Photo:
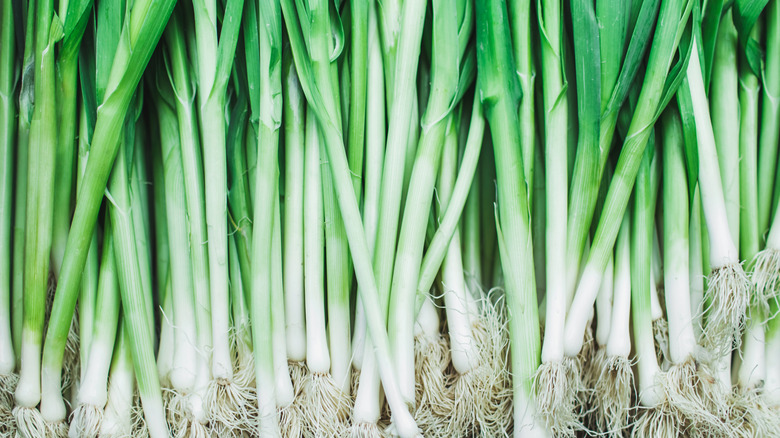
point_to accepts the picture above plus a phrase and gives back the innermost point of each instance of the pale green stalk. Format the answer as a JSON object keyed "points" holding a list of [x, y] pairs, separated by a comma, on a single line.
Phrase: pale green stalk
{"points": [[7, 143], [74, 15], [140, 33], [725, 113], [26, 97], [40, 203], [673, 16], [769, 134], [267, 177], [435, 124], [215, 56], [499, 91]]}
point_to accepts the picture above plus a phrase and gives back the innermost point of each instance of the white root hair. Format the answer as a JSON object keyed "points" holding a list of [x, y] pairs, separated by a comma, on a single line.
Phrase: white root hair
{"points": [[694, 394], [57, 429], [325, 407], [557, 396], [766, 277], [433, 393], [85, 421], [29, 423], [661, 337], [365, 430], [728, 295], [752, 416], [227, 403], [660, 421], [612, 396], [7, 387], [291, 418]]}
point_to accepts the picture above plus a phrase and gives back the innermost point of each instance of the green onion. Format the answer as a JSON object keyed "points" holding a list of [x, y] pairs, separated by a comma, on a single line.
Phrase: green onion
{"points": [[672, 19], [40, 199], [7, 146], [724, 109], [499, 91], [727, 292]]}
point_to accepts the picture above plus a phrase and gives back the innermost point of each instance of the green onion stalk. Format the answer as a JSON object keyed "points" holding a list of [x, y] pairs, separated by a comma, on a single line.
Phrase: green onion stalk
{"points": [[556, 383], [178, 130], [766, 266], [451, 22], [241, 229], [673, 17], [434, 400], [87, 300], [609, 83], [614, 388], [162, 250], [294, 119], [728, 290], [772, 381], [374, 138], [118, 413], [401, 26], [26, 96], [368, 398], [191, 161], [294, 133], [725, 116], [135, 297], [166, 349], [751, 369], [326, 393], [269, 111], [520, 18], [499, 90], [592, 371], [461, 193], [74, 15], [93, 391], [688, 382], [40, 203], [8, 377], [289, 416], [478, 341], [142, 29], [403, 423], [319, 389], [656, 417], [214, 61]]}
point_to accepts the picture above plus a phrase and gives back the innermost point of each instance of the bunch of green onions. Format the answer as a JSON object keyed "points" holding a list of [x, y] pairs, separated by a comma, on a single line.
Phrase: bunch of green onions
{"points": [[444, 218]]}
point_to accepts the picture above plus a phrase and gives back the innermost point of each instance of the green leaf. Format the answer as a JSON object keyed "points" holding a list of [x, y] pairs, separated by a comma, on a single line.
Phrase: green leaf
{"points": [[746, 13], [640, 41], [709, 29]]}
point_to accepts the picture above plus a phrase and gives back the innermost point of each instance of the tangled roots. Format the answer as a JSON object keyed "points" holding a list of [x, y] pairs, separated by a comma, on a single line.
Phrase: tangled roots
{"points": [[58, 429], [752, 416], [434, 400], [7, 387], [612, 396], [661, 336], [228, 403], [694, 395], [657, 422], [365, 430], [728, 292], [766, 277], [29, 423], [558, 386], [85, 421], [325, 407]]}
